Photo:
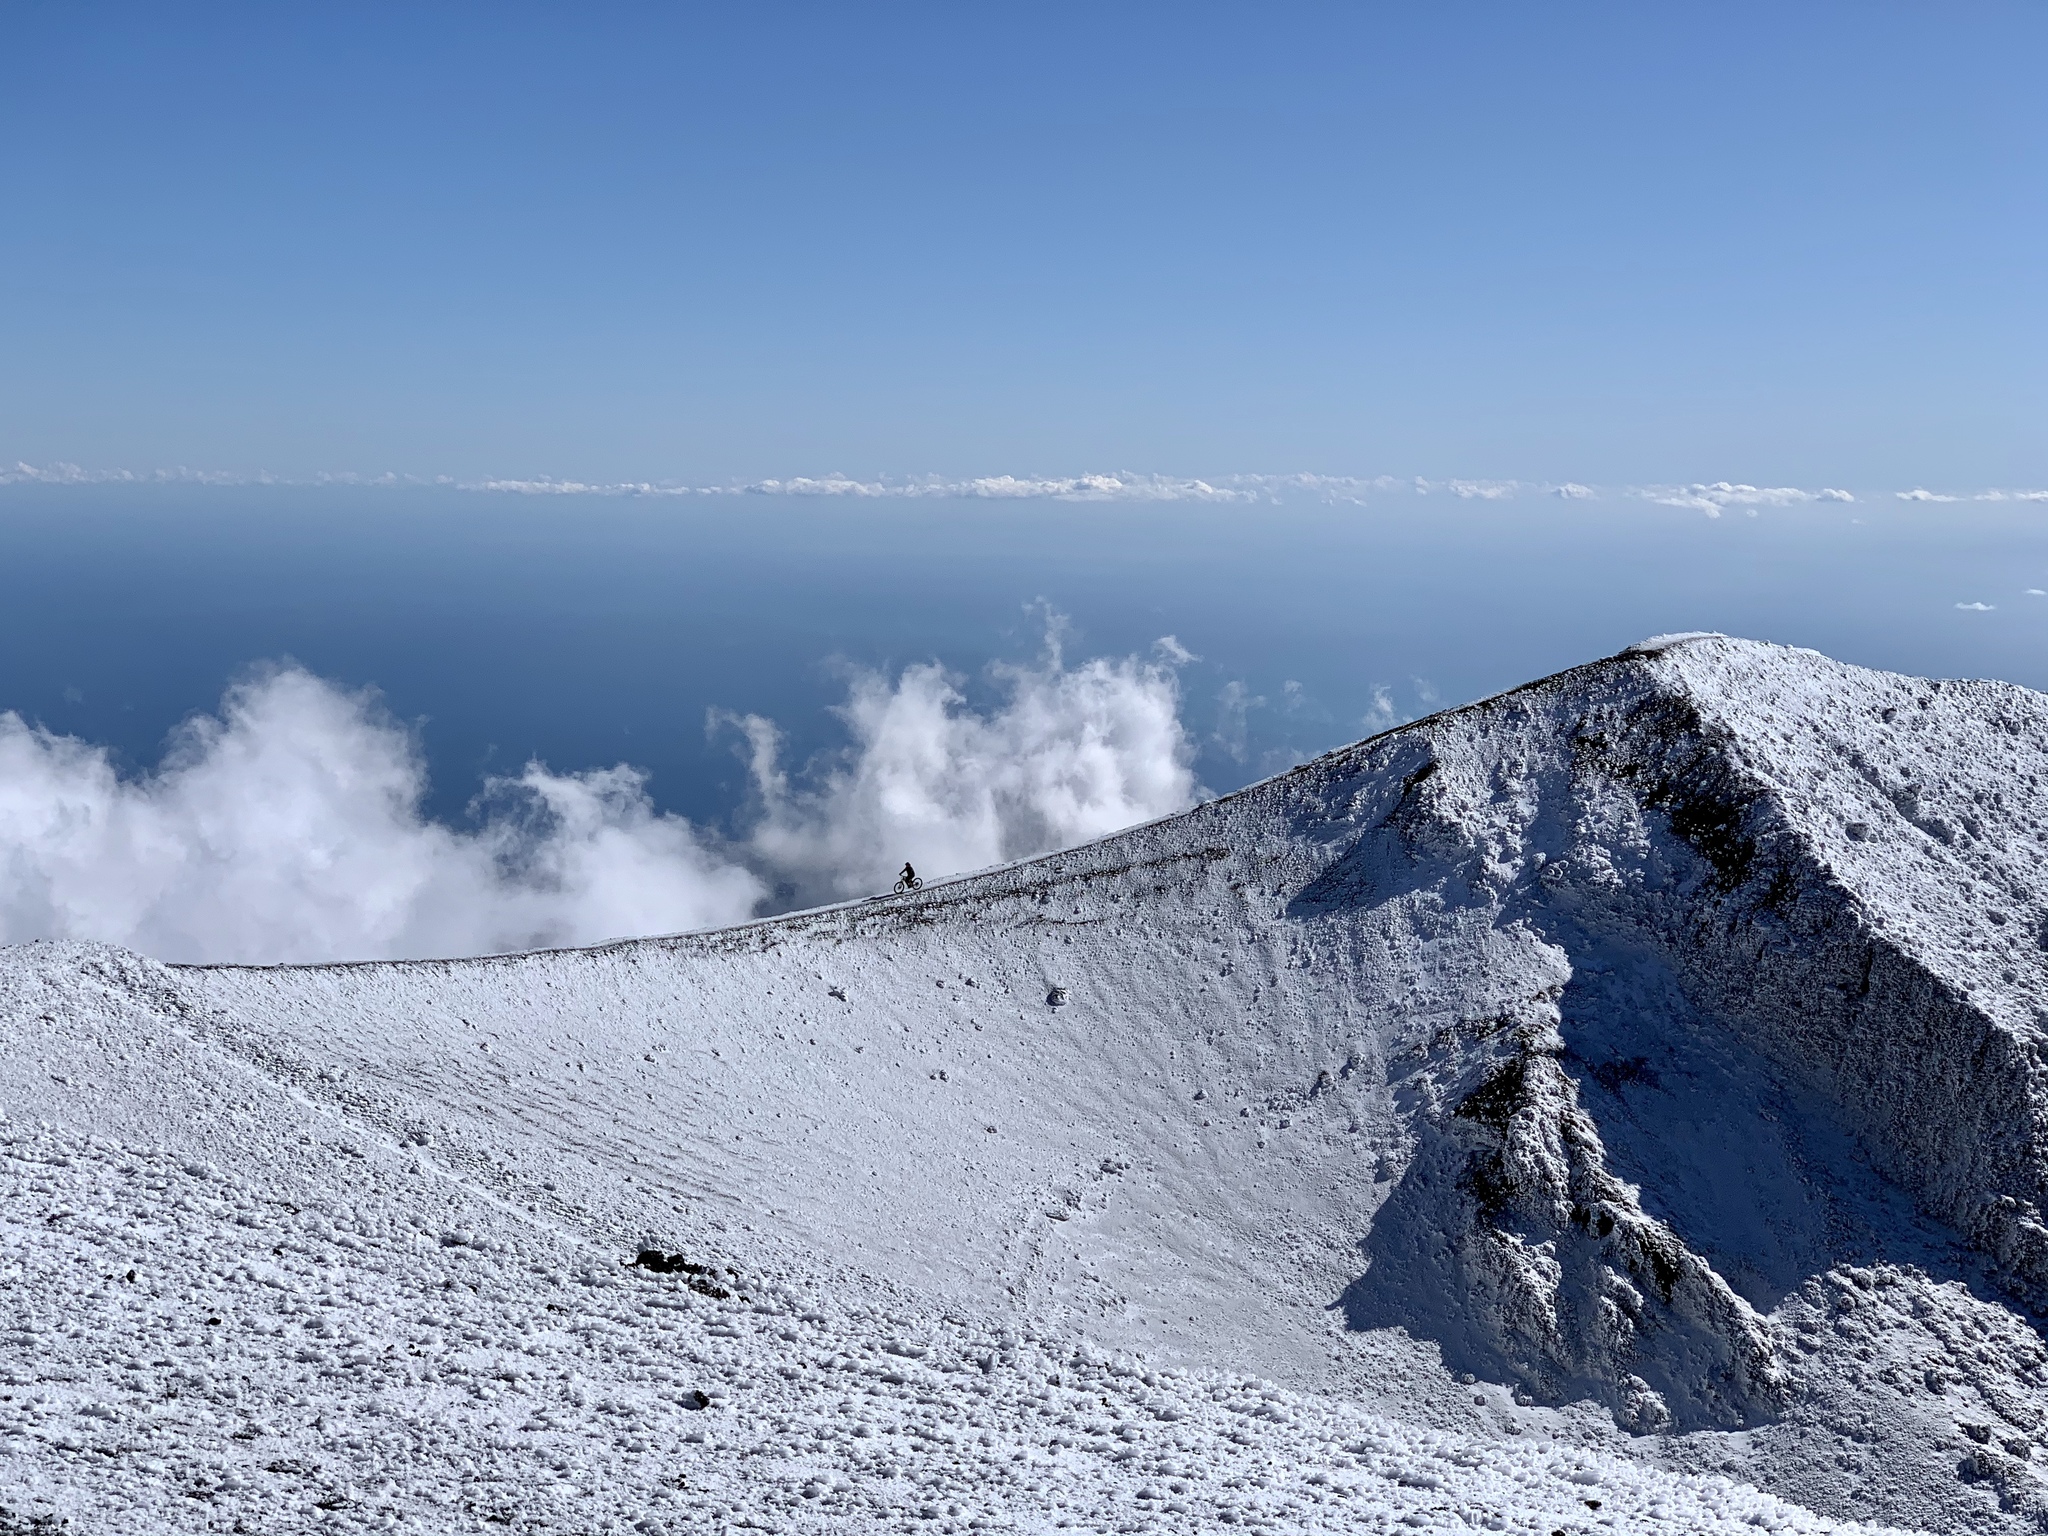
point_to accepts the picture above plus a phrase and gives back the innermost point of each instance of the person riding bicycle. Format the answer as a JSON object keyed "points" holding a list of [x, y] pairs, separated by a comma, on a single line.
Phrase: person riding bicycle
{"points": [[908, 879]]}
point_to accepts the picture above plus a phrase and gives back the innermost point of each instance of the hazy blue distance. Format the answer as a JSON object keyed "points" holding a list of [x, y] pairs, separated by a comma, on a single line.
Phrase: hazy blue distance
{"points": [[590, 631], [1613, 243]]}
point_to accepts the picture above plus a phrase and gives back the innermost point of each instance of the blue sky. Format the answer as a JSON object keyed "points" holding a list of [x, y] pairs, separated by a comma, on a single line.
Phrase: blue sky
{"points": [[1606, 243]]}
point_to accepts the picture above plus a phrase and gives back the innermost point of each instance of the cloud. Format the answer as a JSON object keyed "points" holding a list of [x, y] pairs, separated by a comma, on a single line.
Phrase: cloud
{"points": [[1124, 487], [387, 480], [2036, 592], [1331, 488], [1718, 497], [1470, 490], [58, 474], [1116, 487], [545, 486], [1379, 715], [289, 826], [1121, 486], [72, 474], [1070, 754], [1921, 494], [1233, 719], [2013, 496], [1976, 607], [61, 473]]}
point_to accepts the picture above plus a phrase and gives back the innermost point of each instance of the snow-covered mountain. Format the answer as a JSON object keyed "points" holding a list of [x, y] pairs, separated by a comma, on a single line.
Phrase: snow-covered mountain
{"points": [[1572, 1112]]}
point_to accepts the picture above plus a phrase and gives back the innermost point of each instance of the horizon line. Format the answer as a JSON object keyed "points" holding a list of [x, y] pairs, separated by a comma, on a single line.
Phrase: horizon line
{"points": [[1710, 498]]}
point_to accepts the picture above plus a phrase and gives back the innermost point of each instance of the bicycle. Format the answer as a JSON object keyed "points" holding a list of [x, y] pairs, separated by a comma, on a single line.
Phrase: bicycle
{"points": [[908, 881]]}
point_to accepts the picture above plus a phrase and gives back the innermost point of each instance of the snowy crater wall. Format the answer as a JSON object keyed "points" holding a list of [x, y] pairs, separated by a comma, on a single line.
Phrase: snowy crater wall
{"points": [[1835, 872], [1654, 1046]]}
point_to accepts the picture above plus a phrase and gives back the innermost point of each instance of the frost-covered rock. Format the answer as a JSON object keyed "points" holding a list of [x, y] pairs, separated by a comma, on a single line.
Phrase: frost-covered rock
{"points": [[1549, 1268]]}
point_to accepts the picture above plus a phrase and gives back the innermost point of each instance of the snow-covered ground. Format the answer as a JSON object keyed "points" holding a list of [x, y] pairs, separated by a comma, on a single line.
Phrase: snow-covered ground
{"points": [[1572, 1112]]}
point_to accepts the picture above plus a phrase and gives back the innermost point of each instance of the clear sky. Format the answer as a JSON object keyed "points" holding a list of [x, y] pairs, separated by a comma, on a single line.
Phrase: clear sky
{"points": [[1800, 244]]}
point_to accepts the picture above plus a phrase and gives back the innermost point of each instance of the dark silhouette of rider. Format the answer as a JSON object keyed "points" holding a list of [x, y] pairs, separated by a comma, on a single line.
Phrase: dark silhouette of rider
{"points": [[909, 875]]}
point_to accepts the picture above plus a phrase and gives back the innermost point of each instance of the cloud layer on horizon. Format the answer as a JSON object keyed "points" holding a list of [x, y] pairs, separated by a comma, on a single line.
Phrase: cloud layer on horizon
{"points": [[1712, 498], [1718, 497]]}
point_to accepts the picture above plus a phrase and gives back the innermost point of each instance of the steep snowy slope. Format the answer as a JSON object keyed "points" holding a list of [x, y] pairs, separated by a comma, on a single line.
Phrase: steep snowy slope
{"points": [[1639, 1069]]}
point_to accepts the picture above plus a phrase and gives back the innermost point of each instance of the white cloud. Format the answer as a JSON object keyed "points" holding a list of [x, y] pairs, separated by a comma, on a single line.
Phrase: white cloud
{"points": [[1716, 498], [1117, 487], [385, 481], [1121, 486], [62, 473], [1976, 607], [1088, 487], [2013, 496], [290, 826], [1070, 754], [1233, 721], [57, 474], [1125, 487], [1470, 490], [1334, 488], [548, 487], [72, 474], [1922, 494], [1379, 715], [2036, 592], [804, 485]]}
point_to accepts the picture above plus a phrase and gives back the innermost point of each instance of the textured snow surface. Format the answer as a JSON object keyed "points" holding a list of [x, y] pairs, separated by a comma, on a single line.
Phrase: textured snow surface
{"points": [[1574, 1112]]}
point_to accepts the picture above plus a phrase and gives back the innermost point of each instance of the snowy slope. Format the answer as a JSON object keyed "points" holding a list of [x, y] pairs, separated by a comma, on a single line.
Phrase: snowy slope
{"points": [[1532, 1118]]}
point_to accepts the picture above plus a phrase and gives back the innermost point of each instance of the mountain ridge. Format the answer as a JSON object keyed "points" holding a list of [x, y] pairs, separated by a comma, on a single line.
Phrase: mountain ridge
{"points": [[1649, 1052]]}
